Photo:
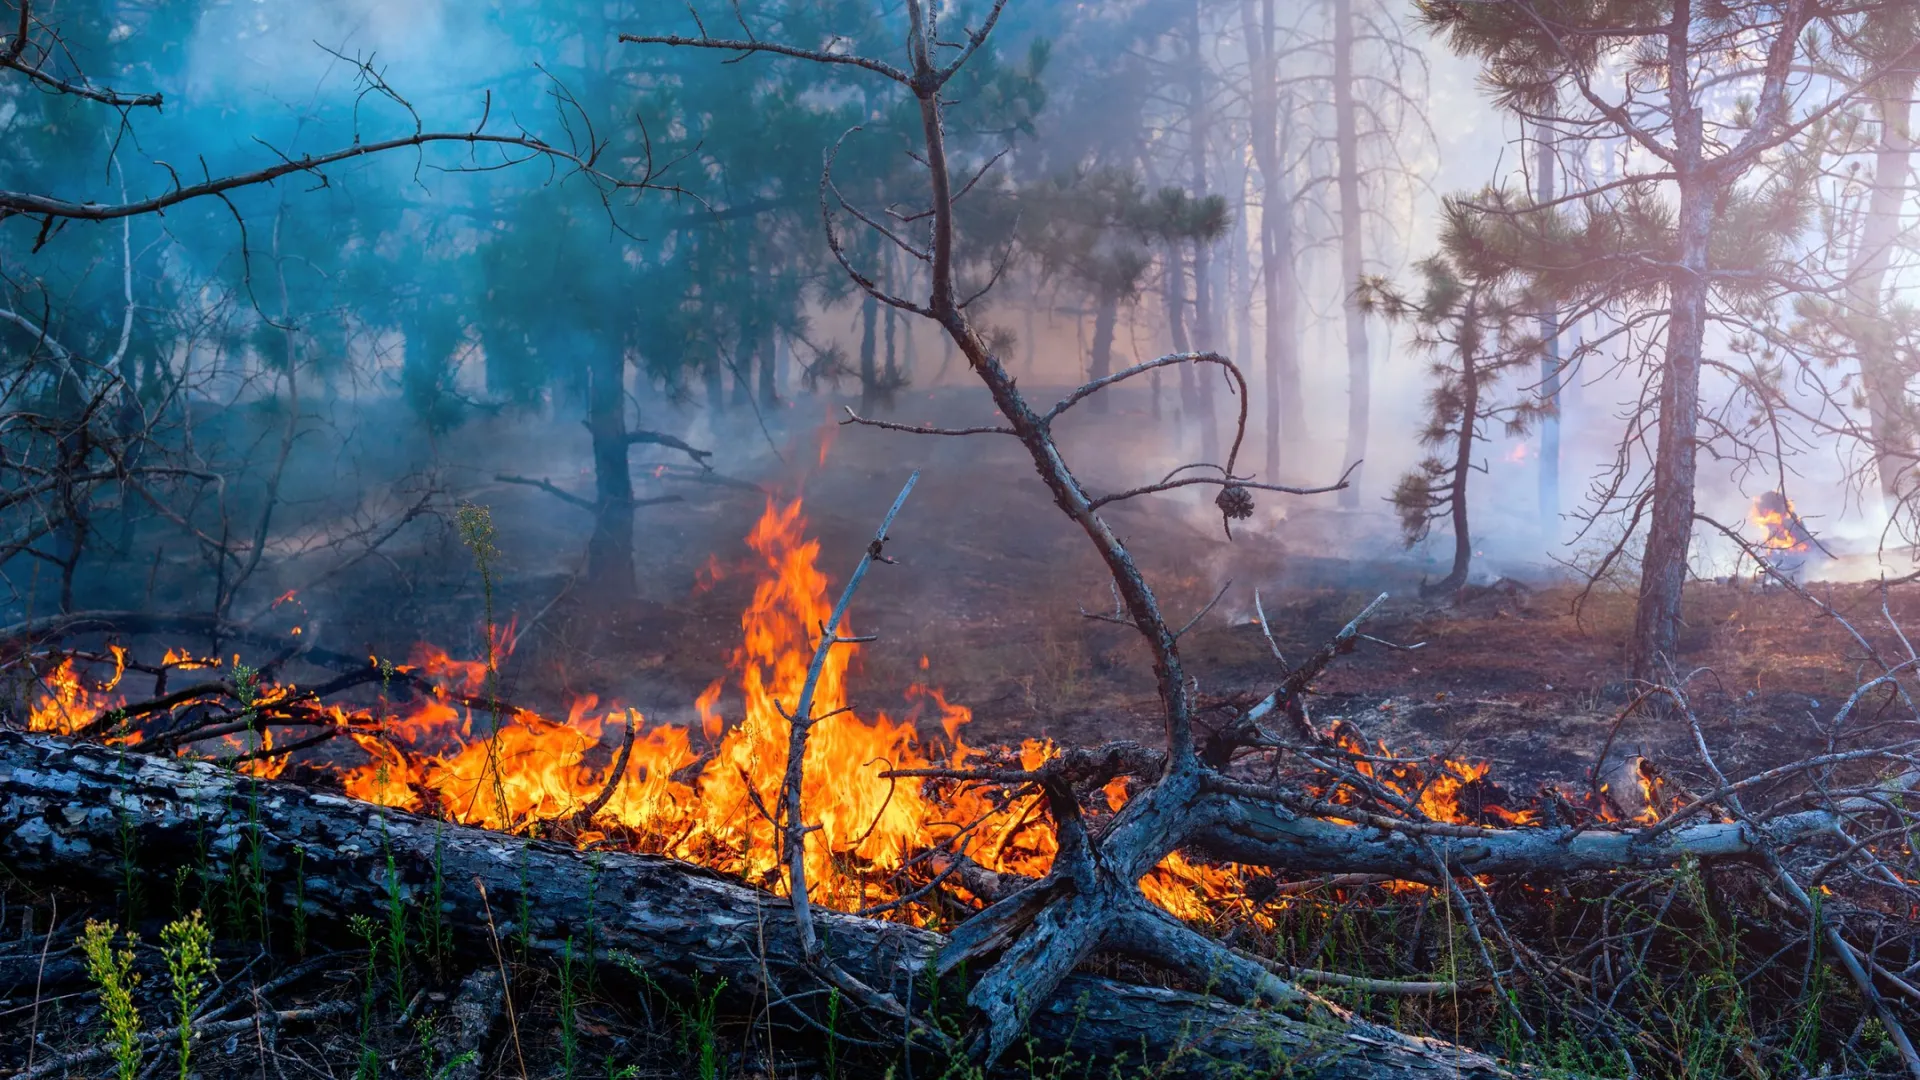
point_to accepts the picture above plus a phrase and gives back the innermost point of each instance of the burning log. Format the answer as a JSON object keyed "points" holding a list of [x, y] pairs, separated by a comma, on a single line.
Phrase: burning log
{"points": [[68, 805]]}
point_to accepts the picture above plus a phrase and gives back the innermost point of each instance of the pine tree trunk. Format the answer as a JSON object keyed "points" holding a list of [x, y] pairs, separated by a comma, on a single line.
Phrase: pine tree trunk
{"points": [[769, 348], [745, 359], [1463, 464], [610, 547], [1663, 571], [1882, 375], [1101, 364], [1031, 347], [1549, 364], [714, 375], [1205, 336], [1346, 142], [1286, 402], [1173, 284], [869, 372], [1239, 289]]}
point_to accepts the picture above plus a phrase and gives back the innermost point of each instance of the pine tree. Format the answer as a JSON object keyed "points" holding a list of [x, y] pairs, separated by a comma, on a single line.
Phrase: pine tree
{"points": [[1673, 231], [1471, 317]]}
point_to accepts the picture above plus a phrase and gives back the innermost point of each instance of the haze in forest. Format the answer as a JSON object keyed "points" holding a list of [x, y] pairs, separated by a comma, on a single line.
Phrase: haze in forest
{"points": [[642, 267]]}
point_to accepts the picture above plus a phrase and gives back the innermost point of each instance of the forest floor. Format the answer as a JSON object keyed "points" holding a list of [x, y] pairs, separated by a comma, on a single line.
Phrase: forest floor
{"points": [[986, 601]]}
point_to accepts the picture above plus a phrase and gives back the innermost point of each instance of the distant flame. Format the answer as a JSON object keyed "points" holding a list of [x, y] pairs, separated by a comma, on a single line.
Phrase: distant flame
{"points": [[1781, 528]]}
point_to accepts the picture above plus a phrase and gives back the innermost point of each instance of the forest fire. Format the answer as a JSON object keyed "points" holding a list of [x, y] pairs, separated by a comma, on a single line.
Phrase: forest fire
{"points": [[707, 796], [1781, 528]]}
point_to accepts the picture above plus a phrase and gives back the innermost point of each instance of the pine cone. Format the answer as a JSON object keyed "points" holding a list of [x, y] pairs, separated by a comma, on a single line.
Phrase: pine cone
{"points": [[1235, 502]]}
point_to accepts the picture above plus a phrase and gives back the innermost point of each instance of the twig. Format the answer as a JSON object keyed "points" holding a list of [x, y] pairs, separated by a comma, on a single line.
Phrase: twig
{"points": [[57, 1065], [585, 817], [40, 973], [506, 987], [800, 723]]}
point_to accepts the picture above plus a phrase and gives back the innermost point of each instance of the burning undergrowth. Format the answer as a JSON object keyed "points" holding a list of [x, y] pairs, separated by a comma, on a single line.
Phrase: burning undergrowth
{"points": [[431, 735], [917, 823]]}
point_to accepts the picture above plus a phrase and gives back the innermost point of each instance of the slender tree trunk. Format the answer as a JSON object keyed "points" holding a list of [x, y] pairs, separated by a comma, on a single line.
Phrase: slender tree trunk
{"points": [[1463, 462], [1347, 149], [1239, 290], [1286, 403], [766, 354], [610, 548], [1549, 363], [869, 371], [1663, 571], [909, 352], [1032, 346], [1883, 377], [1286, 398], [715, 376], [892, 368], [1102, 363], [1286, 408], [1205, 328], [1174, 296], [745, 358], [892, 316]]}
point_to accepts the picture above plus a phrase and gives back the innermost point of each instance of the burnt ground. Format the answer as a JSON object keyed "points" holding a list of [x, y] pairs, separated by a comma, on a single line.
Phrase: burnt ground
{"points": [[989, 588], [992, 580]]}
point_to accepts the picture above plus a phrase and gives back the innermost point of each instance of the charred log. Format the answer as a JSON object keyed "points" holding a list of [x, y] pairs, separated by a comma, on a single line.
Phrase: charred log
{"points": [[74, 812]]}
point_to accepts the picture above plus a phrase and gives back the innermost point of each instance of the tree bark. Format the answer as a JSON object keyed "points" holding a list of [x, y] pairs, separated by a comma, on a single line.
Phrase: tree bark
{"points": [[610, 547], [1549, 360], [1286, 404], [768, 348], [1204, 330], [1881, 374], [746, 358], [1663, 571], [1239, 287], [869, 373], [71, 814], [1173, 284], [1101, 364], [714, 375], [1346, 141], [1463, 460]]}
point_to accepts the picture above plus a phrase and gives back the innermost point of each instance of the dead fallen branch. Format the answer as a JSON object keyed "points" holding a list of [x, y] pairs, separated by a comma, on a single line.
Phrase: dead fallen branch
{"points": [[65, 1063]]}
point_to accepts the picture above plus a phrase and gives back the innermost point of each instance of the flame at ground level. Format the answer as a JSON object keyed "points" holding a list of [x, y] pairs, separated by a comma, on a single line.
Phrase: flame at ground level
{"points": [[717, 807], [713, 802]]}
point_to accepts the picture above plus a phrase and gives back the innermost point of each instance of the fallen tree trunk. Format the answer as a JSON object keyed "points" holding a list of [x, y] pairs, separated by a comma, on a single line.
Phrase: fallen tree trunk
{"points": [[83, 816]]}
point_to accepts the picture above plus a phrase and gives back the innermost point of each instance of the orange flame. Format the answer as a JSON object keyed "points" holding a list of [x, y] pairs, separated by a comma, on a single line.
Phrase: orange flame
{"points": [[516, 770], [1780, 526], [865, 825], [66, 705]]}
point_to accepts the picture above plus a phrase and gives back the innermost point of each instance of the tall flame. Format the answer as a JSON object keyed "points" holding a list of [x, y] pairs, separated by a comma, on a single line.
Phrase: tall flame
{"points": [[865, 825], [511, 769]]}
